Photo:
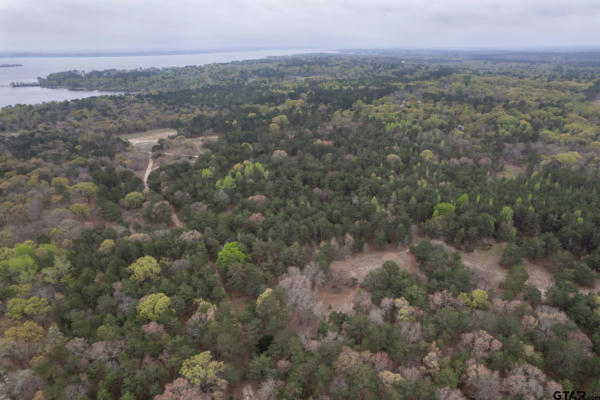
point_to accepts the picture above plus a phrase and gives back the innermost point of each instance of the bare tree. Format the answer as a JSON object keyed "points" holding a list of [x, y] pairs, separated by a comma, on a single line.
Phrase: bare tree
{"points": [[301, 297], [480, 343], [482, 383], [527, 382]]}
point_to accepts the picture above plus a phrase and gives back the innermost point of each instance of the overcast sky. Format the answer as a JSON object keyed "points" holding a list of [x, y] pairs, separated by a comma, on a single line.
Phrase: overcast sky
{"points": [[33, 25]]}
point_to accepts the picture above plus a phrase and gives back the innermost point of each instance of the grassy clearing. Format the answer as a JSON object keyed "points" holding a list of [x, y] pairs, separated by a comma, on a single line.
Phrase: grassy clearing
{"points": [[485, 265], [148, 136], [511, 171], [354, 269]]}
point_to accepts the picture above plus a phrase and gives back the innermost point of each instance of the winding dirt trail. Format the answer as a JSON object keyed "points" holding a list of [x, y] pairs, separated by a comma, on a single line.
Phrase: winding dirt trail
{"points": [[148, 170], [174, 217]]}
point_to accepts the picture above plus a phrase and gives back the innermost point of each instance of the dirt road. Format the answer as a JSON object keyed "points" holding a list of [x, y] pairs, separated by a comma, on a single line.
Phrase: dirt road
{"points": [[148, 170]]}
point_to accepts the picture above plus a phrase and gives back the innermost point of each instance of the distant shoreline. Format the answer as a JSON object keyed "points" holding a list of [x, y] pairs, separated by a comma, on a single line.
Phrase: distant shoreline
{"points": [[24, 84], [10, 65], [140, 53]]}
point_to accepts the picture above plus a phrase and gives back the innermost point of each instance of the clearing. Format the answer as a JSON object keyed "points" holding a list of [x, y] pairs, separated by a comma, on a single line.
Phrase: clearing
{"points": [[347, 275], [489, 274], [511, 171], [143, 161], [148, 136]]}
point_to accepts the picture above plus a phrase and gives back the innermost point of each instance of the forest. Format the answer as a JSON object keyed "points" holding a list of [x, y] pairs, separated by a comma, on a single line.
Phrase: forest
{"points": [[362, 225]]}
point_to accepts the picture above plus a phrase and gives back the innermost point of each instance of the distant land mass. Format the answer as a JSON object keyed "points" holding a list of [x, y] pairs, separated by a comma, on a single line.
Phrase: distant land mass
{"points": [[120, 53], [10, 65]]}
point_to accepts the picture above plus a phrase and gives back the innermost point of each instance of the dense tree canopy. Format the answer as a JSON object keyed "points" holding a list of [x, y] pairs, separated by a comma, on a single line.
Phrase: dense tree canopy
{"points": [[235, 272]]}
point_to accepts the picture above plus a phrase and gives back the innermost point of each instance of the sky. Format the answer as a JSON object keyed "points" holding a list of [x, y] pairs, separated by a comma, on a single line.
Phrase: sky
{"points": [[101, 25]]}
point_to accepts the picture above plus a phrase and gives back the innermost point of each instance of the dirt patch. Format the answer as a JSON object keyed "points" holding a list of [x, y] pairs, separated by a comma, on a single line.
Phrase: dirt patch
{"points": [[176, 150], [511, 171], [200, 141], [162, 159], [148, 136], [489, 274], [181, 147], [357, 266], [348, 274], [345, 276], [539, 276], [485, 265], [175, 218]]}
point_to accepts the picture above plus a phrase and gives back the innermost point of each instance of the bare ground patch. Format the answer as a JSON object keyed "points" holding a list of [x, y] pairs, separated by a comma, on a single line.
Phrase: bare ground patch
{"points": [[489, 274], [539, 275], [359, 265], [346, 276], [511, 171], [186, 147], [343, 283], [148, 136]]}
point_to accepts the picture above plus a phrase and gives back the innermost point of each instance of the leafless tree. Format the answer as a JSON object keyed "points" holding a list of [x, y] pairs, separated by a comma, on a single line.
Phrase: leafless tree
{"points": [[301, 297], [480, 343]]}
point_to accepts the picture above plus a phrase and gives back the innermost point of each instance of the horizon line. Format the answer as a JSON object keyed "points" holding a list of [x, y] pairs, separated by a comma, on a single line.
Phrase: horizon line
{"points": [[163, 51]]}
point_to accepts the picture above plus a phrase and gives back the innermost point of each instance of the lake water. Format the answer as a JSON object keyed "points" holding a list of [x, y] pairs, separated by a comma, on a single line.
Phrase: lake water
{"points": [[34, 67]]}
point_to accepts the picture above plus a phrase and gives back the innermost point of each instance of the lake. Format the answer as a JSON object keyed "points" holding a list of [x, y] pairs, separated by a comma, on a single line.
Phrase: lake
{"points": [[34, 67]]}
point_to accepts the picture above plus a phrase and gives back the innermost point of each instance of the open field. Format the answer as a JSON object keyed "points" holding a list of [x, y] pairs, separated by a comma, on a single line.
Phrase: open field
{"points": [[485, 265], [148, 136], [353, 270], [489, 274], [359, 265]]}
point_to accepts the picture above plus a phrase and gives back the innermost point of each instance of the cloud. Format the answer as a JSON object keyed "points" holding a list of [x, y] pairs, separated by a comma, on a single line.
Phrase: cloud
{"points": [[204, 24]]}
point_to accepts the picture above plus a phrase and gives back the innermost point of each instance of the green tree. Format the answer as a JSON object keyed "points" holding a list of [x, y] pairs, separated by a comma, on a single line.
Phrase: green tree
{"points": [[134, 200], [463, 200], [226, 183], [511, 255], [154, 306], [514, 282], [144, 269], [106, 245], [18, 307], [81, 210], [426, 155], [202, 371], [443, 209], [231, 253], [24, 266], [506, 214]]}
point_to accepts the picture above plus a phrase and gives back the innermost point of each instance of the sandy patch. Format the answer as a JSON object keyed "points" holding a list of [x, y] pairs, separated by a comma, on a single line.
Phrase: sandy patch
{"points": [[148, 136]]}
